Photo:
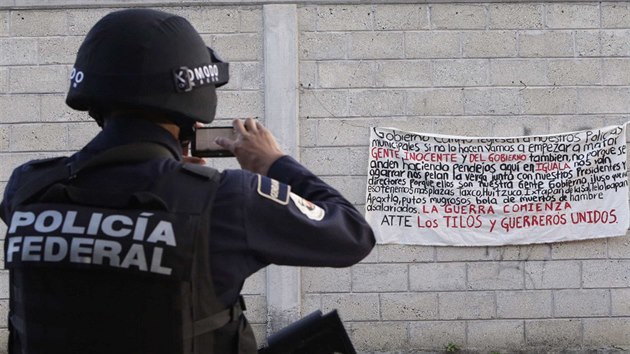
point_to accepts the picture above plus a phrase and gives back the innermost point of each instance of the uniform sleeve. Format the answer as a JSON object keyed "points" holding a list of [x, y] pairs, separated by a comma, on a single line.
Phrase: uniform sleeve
{"points": [[294, 218]]}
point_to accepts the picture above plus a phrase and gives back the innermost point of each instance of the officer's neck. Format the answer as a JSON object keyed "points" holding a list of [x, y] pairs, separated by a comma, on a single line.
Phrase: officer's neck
{"points": [[155, 118]]}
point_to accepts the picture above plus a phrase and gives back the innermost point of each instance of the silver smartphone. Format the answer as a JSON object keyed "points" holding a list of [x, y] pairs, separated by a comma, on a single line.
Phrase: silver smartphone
{"points": [[203, 144]]}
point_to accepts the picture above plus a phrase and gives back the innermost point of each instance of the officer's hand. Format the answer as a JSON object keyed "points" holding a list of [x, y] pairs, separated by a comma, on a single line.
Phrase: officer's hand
{"points": [[255, 147], [187, 158]]}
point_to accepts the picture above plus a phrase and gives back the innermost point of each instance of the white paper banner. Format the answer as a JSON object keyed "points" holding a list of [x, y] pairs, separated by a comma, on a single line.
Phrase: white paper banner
{"points": [[432, 189]]}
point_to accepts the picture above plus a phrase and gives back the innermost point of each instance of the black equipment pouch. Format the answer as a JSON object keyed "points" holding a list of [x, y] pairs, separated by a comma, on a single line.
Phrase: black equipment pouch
{"points": [[313, 334]]}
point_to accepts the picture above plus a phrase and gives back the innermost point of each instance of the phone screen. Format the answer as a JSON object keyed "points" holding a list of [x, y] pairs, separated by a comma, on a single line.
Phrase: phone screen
{"points": [[203, 144]]}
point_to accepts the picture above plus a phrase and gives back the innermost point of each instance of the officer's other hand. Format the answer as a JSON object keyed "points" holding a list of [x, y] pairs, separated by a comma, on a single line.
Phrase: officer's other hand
{"points": [[255, 147], [187, 158]]}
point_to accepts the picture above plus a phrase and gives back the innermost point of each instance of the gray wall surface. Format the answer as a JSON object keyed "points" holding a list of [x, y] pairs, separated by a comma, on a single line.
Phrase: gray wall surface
{"points": [[478, 69]]}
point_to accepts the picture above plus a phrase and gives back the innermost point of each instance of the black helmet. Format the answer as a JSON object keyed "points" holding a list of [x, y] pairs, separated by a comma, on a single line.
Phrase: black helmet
{"points": [[141, 58]]}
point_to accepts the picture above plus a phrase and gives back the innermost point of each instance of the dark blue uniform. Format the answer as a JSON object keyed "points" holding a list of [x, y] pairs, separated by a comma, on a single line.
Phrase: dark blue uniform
{"points": [[255, 220]]}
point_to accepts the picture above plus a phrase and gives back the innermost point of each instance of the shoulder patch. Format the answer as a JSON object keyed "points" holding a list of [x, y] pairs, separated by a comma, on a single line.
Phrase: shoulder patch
{"points": [[274, 190], [310, 209]]}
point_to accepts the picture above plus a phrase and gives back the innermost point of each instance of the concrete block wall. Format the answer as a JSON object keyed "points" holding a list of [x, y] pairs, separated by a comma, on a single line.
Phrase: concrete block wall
{"points": [[478, 69]]}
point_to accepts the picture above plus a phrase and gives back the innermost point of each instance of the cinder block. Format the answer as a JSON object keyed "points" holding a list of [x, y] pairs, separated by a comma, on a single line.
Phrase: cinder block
{"points": [[346, 74], [489, 44], [310, 303], [4, 284], [449, 254], [251, 19], [79, 134], [54, 109], [525, 252], [323, 103], [324, 45], [605, 274], [524, 304], [404, 73], [467, 305], [550, 333], [379, 336], [545, 44], [39, 23], [579, 249], [246, 76], [380, 277], [307, 75], [513, 16], [620, 299], [326, 280], [492, 101], [588, 43], [345, 18], [566, 15], [432, 44], [603, 100], [619, 247], [388, 17], [523, 125], [615, 15], [430, 102], [571, 72], [518, 72], [58, 50], [458, 16], [18, 51], [435, 335], [552, 275], [249, 46], [462, 72], [615, 43], [495, 275], [240, 104], [4, 310], [552, 100], [38, 79], [256, 308], [4, 80], [39, 137], [81, 20], [256, 284], [409, 306], [474, 126], [376, 45], [208, 19], [260, 333], [405, 254], [4, 137], [582, 303], [607, 332], [307, 17], [373, 256], [353, 307], [352, 188], [337, 132], [4, 23], [335, 161], [437, 276], [496, 335], [370, 103], [616, 71]]}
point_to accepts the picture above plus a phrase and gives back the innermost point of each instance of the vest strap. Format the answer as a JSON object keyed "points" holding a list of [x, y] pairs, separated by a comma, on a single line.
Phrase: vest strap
{"points": [[217, 320]]}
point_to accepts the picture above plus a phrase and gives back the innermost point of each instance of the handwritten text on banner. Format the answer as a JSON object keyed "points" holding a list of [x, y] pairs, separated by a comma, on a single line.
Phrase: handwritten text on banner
{"points": [[451, 190]]}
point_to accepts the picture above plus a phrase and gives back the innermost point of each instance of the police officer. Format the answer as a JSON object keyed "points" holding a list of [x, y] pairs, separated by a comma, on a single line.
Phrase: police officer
{"points": [[124, 247]]}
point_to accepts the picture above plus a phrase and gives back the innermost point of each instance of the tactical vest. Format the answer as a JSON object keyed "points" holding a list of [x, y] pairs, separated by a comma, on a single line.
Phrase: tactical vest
{"points": [[94, 272]]}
